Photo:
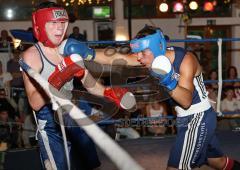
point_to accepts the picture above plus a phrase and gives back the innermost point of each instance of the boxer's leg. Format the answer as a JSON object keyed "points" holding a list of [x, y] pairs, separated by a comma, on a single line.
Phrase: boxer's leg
{"points": [[83, 151], [191, 144], [50, 140]]}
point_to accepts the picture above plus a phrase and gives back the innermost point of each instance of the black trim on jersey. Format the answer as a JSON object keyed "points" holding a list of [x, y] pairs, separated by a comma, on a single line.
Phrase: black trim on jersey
{"points": [[201, 85], [179, 55], [39, 51], [42, 55]]}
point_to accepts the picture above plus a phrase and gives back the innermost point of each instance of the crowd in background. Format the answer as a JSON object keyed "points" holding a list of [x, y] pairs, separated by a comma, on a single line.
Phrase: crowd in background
{"points": [[17, 122]]}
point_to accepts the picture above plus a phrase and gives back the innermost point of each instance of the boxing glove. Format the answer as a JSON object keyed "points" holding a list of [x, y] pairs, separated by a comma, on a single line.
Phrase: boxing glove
{"points": [[162, 69], [72, 46], [65, 71], [121, 97]]}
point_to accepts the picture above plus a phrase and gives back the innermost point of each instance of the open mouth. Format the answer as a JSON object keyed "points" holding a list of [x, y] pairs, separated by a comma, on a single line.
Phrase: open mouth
{"points": [[58, 36]]}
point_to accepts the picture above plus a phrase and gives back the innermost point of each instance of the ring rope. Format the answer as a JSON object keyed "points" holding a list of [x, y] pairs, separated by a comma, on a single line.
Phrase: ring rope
{"points": [[220, 82], [143, 120], [170, 41], [60, 116], [149, 84], [119, 156]]}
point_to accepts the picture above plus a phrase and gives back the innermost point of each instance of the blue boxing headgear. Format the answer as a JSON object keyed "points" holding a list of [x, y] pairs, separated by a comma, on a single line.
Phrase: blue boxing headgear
{"points": [[155, 42]]}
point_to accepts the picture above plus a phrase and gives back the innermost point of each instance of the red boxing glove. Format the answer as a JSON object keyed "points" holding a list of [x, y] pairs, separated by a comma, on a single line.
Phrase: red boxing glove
{"points": [[121, 96], [65, 71]]}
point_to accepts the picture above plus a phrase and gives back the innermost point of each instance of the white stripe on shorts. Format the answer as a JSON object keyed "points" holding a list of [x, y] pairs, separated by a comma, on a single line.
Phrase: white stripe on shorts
{"points": [[190, 141]]}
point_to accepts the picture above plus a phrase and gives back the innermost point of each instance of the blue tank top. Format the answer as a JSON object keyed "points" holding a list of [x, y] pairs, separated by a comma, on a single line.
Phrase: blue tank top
{"points": [[200, 92]]}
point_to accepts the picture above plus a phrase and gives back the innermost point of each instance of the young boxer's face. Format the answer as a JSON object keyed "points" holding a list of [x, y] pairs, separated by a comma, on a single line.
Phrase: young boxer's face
{"points": [[145, 57], [56, 31]]}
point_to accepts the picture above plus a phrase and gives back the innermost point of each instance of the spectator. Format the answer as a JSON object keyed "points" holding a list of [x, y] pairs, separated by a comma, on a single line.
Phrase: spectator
{"points": [[213, 75], [230, 104], [5, 39], [212, 88], [8, 130], [5, 105], [14, 69], [16, 84], [5, 78], [212, 95], [157, 110], [232, 74], [237, 90], [77, 35]]}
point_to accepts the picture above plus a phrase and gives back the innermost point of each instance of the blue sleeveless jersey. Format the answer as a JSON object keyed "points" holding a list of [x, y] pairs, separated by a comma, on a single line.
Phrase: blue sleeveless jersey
{"points": [[196, 139], [200, 95], [199, 92]]}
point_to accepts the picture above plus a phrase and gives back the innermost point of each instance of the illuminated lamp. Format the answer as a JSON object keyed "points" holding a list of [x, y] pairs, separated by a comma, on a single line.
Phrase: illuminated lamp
{"points": [[163, 7], [193, 5], [121, 37], [208, 6], [178, 7], [9, 13]]}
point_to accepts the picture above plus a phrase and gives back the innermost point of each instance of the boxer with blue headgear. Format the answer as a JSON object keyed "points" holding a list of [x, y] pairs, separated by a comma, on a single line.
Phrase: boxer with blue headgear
{"points": [[161, 67], [155, 42], [196, 119]]}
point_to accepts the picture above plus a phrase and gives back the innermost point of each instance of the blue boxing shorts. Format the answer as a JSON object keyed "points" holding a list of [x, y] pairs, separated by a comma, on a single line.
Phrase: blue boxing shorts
{"points": [[196, 141], [83, 154]]}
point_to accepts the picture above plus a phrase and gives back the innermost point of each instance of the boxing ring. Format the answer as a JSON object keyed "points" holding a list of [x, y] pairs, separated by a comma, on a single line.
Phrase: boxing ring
{"points": [[152, 152], [148, 153]]}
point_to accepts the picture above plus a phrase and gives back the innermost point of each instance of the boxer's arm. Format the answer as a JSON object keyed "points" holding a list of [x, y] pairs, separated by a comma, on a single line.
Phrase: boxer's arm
{"points": [[72, 46], [185, 85], [92, 85], [180, 87], [120, 96], [116, 59], [36, 96]]}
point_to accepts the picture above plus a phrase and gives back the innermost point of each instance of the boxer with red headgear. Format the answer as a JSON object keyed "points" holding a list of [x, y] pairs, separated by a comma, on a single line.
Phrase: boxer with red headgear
{"points": [[53, 14], [50, 23]]}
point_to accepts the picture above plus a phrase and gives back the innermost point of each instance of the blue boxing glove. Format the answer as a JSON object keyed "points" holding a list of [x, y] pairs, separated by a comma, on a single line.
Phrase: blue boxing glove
{"points": [[162, 69], [71, 46]]}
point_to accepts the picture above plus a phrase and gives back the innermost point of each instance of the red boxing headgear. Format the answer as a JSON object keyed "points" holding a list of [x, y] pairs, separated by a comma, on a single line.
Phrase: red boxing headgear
{"points": [[41, 17]]}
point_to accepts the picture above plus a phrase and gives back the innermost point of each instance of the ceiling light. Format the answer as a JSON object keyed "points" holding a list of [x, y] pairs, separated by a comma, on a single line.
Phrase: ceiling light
{"points": [[208, 6], [163, 7], [193, 5]]}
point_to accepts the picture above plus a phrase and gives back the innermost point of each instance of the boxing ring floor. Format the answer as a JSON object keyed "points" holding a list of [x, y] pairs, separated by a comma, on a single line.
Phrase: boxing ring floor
{"points": [[152, 152]]}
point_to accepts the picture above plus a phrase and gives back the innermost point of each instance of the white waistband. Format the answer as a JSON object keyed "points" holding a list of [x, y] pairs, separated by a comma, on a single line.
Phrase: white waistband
{"points": [[196, 108]]}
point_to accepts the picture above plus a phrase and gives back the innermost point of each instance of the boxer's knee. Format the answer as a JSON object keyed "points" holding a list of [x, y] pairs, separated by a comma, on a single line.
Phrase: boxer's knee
{"points": [[224, 163], [217, 163]]}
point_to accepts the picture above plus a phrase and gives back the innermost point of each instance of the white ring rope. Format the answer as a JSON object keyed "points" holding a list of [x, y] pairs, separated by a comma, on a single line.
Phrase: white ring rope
{"points": [[60, 117], [220, 81], [119, 156]]}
